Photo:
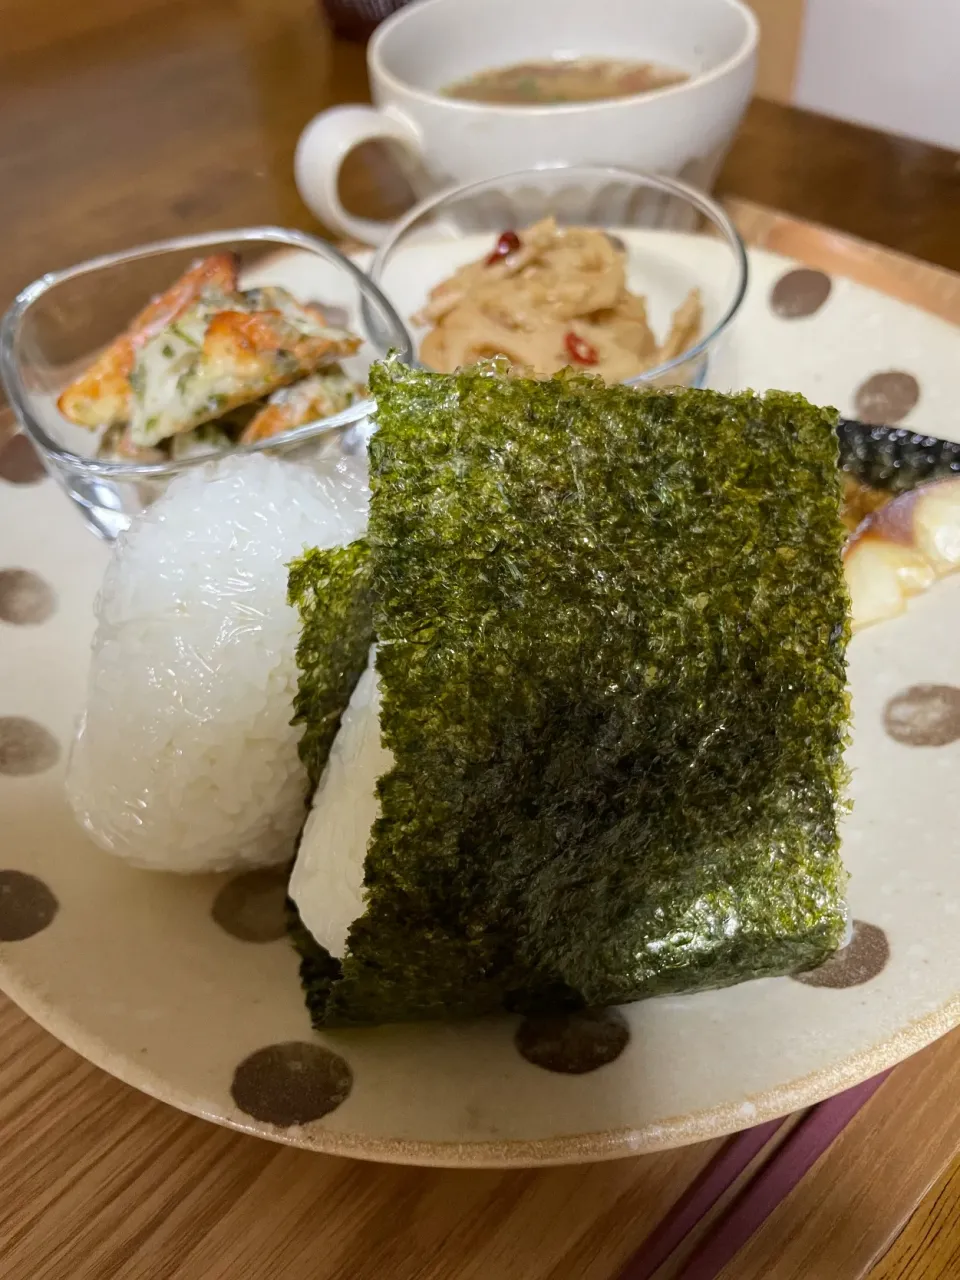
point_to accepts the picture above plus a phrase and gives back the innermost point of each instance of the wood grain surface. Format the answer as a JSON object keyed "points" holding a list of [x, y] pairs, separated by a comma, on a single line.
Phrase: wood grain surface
{"points": [[844, 1215], [125, 120], [97, 1181], [930, 1244]]}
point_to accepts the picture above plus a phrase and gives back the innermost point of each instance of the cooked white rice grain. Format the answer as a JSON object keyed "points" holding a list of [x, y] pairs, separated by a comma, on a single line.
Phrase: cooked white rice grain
{"points": [[327, 880], [185, 759]]}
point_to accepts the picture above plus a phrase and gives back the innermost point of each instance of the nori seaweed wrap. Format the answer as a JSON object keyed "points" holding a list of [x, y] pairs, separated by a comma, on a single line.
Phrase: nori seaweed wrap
{"points": [[611, 628]]}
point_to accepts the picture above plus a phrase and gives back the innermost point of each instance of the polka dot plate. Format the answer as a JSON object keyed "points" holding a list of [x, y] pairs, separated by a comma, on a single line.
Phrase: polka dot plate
{"points": [[187, 989]]}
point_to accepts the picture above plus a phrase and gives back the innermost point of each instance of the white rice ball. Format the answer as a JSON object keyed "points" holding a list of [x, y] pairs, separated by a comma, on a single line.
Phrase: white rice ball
{"points": [[185, 759]]}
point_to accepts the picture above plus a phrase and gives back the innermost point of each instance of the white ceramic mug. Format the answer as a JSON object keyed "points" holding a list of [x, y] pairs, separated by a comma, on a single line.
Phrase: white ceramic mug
{"points": [[682, 130]]}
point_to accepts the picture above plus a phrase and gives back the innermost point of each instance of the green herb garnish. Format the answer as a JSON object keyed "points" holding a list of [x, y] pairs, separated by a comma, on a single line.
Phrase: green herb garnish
{"points": [[180, 332], [138, 380]]}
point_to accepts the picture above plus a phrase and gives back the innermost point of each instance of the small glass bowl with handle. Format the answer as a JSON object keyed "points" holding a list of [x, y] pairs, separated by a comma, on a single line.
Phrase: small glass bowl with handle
{"points": [[58, 325], [676, 240]]}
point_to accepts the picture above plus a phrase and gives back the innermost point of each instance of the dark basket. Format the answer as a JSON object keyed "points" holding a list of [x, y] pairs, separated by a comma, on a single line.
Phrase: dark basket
{"points": [[357, 19]]}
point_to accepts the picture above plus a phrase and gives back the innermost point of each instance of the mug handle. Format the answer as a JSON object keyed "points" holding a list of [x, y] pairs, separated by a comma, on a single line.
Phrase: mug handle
{"points": [[321, 150]]}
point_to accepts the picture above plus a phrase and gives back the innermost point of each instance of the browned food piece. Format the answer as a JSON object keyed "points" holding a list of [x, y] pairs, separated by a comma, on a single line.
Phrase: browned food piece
{"points": [[101, 396], [628, 322], [213, 359], [271, 297], [684, 328], [901, 549], [860, 500], [555, 274], [311, 398], [469, 335], [620, 339]]}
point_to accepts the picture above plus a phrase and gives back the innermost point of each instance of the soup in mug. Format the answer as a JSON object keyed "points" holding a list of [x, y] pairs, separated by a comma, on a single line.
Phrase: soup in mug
{"points": [[558, 80]]}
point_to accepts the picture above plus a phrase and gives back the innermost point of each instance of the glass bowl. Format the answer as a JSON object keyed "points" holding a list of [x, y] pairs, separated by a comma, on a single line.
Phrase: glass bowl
{"points": [[677, 239], [57, 325]]}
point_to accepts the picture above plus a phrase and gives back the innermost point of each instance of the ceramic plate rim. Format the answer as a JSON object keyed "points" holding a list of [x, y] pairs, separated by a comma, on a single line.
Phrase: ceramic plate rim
{"points": [[673, 1132]]}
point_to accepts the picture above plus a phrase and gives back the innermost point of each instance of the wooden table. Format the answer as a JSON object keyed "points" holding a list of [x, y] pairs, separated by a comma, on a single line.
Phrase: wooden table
{"points": [[125, 120]]}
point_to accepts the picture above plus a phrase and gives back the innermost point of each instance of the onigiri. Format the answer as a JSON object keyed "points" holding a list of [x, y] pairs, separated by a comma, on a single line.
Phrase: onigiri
{"points": [[185, 758], [597, 754]]}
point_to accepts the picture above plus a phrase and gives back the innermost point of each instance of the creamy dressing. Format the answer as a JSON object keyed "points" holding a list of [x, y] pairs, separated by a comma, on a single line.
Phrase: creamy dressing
{"points": [[164, 366]]}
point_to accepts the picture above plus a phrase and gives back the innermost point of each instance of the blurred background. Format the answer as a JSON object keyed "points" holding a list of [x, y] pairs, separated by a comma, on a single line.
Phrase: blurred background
{"points": [[891, 64], [150, 116]]}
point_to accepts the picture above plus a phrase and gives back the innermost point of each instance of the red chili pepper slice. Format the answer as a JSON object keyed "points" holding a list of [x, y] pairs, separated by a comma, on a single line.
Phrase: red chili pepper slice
{"points": [[581, 350], [508, 243]]}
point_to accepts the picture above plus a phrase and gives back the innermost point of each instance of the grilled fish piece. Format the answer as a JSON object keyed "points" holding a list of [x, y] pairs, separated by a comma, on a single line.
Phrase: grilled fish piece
{"points": [[894, 459], [901, 549]]}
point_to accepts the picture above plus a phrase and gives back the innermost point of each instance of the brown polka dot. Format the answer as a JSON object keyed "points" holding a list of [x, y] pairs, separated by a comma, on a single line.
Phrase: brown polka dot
{"points": [[863, 958], [26, 906], [573, 1043], [925, 715], [26, 747], [291, 1083], [800, 293], [25, 599], [251, 907], [887, 397], [19, 461]]}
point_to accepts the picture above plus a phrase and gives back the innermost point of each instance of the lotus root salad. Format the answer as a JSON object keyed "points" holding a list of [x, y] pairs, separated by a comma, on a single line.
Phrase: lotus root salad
{"points": [[548, 297]]}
